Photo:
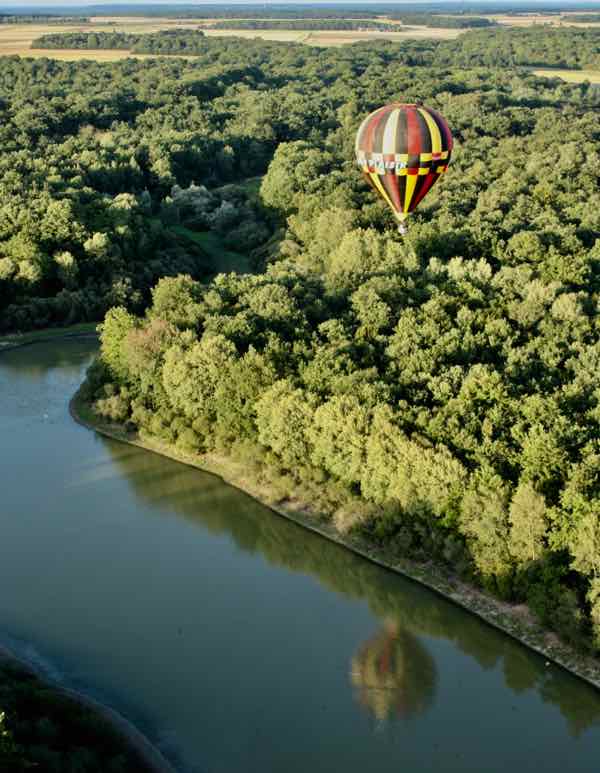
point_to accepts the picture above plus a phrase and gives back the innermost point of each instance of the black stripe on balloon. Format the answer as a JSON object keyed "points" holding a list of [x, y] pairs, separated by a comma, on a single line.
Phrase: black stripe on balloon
{"points": [[402, 187], [401, 133], [429, 181], [425, 134]]}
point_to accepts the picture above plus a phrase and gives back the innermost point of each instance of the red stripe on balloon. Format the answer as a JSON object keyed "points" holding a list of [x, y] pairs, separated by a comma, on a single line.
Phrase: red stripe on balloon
{"points": [[413, 126], [394, 190], [427, 183]]}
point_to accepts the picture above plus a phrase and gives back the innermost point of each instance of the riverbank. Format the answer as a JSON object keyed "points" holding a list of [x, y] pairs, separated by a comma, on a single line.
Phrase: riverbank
{"points": [[134, 743], [17, 340], [133, 739], [514, 620]]}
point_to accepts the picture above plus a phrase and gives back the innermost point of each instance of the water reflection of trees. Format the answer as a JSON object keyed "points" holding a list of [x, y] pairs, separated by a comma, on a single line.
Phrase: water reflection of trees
{"points": [[393, 674], [35, 361], [221, 509]]}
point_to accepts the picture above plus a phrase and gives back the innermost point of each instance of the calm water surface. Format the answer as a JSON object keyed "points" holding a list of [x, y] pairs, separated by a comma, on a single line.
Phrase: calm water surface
{"points": [[239, 642]]}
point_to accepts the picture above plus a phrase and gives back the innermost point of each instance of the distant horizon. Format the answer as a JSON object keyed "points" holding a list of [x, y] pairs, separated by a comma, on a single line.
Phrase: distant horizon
{"points": [[63, 4]]}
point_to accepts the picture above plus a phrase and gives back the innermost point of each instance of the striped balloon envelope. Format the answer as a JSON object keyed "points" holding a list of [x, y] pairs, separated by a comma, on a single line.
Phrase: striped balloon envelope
{"points": [[402, 150]]}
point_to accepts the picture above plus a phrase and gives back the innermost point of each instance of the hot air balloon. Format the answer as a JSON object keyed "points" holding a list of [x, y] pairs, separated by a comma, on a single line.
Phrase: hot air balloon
{"points": [[402, 150]]}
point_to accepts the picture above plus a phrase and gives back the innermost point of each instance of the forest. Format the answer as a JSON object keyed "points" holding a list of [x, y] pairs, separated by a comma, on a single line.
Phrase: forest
{"points": [[164, 42], [496, 47], [424, 19], [437, 20], [538, 46], [41, 18], [438, 394], [305, 24]]}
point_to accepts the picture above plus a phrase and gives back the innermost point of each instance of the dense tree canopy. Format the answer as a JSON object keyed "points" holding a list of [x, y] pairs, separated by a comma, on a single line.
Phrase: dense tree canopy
{"points": [[305, 24], [437, 20], [41, 18]]}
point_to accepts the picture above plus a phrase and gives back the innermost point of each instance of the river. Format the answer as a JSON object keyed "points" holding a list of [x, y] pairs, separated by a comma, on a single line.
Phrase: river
{"points": [[236, 640]]}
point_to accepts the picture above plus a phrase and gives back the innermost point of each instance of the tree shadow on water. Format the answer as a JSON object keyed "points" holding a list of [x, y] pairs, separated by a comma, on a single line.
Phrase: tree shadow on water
{"points": [[393, 673]]}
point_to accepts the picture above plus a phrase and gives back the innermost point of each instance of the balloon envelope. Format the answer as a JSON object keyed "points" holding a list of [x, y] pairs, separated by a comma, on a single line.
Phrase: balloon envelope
{"points": [[402, 150]]}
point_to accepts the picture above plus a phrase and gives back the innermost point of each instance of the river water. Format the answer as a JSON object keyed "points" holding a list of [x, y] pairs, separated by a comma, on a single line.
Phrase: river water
{"points": [[236, 640]]}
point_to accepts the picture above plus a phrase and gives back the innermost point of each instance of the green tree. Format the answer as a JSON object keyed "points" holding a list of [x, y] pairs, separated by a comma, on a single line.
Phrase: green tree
{"points": [[528, 524], [283, 416], [484, 521], [117, 324]]}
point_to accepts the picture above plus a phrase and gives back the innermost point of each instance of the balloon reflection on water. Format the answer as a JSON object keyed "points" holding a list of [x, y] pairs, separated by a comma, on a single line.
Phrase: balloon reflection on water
{"points": [[393, 674]]}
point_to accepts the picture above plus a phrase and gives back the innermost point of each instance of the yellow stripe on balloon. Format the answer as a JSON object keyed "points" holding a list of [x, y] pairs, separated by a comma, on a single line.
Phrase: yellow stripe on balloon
{"points": [[411, 181], [436, 137], [389, 135]]}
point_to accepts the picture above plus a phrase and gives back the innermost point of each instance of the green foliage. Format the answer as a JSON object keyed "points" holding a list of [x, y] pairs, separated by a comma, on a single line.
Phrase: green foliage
{"points": [[42, 729], [304, 24], [11, 757], [283, 417], [593, 598], [296, 167], [484, 522], [529, 46], [528, 524], [447, 22], [117, 324]]}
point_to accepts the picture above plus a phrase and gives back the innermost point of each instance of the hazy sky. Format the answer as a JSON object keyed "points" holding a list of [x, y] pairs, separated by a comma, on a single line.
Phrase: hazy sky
{"points": [[83, 3]]}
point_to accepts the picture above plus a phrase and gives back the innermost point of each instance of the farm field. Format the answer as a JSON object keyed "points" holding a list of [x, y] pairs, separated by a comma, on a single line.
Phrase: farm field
{"points": [[530, 19], [16, 39], [572, 76], [341, 37]]}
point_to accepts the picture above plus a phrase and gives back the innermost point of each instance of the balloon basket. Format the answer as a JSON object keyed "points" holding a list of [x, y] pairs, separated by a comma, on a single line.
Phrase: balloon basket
{"points": [[402, 229]]}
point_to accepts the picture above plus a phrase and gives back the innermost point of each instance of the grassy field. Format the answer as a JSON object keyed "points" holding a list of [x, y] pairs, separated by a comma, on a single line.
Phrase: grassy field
{"points": [[223, 261], [338, 38], [572, 76], [16, 39], [530, 19]]}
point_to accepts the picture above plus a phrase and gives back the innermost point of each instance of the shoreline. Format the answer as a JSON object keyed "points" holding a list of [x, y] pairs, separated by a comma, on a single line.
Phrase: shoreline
{"points": [[18, 340], [515, 620], [131, 737]]}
